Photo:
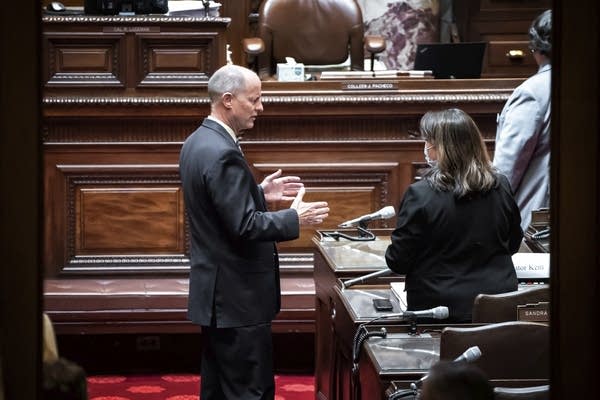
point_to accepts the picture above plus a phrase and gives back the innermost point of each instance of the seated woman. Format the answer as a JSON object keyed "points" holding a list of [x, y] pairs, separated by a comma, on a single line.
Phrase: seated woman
{"points": [[457, 227]]}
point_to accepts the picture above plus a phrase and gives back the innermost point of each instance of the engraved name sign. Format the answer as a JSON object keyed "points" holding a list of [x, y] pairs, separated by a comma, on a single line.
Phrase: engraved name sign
{"points": [[381, 85], [125, 29], [534, 312]]}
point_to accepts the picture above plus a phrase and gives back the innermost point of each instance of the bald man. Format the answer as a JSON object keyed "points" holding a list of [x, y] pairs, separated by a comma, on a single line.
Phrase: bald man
{"points": [[234, 291]]}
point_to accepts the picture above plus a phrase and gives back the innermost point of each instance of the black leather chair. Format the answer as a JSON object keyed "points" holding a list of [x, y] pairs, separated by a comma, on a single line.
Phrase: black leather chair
{"points": [[313, 32], [503, 307], [510, 351], [541, 392]]}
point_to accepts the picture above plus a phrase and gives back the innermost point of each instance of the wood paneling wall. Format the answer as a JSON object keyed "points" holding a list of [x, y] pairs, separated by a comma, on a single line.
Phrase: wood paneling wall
{"points": [[111, 188]]}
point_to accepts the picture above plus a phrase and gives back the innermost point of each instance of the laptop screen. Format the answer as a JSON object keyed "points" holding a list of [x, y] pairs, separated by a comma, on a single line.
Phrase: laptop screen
{"points": [[451, 60]]}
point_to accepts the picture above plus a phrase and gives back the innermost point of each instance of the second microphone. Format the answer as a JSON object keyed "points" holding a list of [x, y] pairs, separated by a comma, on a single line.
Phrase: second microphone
{"points": [[384, 213]]}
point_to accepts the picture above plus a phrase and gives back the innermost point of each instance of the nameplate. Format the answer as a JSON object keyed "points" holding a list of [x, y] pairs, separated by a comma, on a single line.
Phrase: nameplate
{"points": [[125, 29], [375, 85], [534, 312], [532, 266]]}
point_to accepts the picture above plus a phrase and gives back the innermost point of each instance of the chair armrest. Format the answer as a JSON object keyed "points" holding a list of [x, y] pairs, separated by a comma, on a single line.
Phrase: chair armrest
{"points": [[522, 393], [253, 46], [374, 43]]}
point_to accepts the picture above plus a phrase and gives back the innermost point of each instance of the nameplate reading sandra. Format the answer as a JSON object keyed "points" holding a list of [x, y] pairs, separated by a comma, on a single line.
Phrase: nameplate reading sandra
{"points": [[377, 85], [538, 312], [125, 29]]}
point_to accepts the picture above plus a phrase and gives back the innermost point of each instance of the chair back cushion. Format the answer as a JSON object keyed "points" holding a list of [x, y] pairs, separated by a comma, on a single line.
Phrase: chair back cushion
{"points": [[509, 350], [312, 32], [503, 307]]}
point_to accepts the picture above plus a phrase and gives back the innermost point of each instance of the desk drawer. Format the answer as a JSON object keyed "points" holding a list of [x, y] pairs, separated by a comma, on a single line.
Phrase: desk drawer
{"points": [[511, 57]]}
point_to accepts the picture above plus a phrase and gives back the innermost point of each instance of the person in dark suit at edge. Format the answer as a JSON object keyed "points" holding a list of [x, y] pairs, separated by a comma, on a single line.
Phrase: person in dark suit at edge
{"points": [[458, 227], [523, 133], [234, 291]]}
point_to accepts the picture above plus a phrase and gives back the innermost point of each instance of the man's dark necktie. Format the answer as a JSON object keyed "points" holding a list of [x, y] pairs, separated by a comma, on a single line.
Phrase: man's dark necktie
{"points": [[237, 143]]}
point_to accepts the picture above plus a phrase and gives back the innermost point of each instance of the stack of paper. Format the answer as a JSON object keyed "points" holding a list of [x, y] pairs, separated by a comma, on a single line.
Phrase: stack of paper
{"points": [[397, 289]]}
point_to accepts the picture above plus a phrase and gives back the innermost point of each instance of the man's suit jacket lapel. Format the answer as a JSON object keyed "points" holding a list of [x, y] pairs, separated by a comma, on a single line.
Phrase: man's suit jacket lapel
{"points": [[216, 127]]}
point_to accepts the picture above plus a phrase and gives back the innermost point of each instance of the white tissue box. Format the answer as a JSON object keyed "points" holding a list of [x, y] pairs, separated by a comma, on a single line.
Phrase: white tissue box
{"points": [[290, 72]]}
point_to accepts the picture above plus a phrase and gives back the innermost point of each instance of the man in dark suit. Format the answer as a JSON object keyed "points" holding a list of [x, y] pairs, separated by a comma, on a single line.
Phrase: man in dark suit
{"points": [[234, 277]]}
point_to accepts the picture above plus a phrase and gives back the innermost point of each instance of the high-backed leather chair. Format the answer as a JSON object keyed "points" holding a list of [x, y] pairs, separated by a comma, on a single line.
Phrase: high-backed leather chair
{"points": [[313, 32], [541, 392], [514, 350], [503, 307]]}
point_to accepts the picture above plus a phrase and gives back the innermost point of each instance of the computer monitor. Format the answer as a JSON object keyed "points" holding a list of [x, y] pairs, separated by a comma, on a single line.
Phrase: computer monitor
{"points": [[451, 60]]}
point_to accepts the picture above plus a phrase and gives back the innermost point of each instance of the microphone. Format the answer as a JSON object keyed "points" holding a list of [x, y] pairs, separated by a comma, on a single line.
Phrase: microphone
{"points": [[470, 355], [384, 213], [439, 312], [362, 279]]}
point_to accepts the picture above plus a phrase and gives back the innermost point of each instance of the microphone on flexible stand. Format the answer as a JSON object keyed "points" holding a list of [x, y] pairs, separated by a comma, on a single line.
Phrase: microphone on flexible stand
{"points": [[362, 334], [439, 312], [471, 354], [364, 234], [364, 278], [384, 213]]}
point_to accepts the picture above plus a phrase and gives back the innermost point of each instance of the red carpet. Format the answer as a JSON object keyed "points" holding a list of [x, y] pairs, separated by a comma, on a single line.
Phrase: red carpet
{"points": [[184, 387]]}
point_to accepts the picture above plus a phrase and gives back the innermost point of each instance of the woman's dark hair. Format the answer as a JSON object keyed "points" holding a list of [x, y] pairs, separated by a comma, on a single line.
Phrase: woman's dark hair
{"points": [[463, 164], [540, 33]]}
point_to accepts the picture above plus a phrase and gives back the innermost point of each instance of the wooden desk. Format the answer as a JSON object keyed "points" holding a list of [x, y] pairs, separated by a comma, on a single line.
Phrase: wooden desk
{"points": [[392, 363], [335, 261], [354, 308], [399, 357]]}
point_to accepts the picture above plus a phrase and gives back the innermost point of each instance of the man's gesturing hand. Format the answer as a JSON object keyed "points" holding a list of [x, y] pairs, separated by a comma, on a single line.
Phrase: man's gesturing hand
{"points": [[310, 213], [277, 187]]}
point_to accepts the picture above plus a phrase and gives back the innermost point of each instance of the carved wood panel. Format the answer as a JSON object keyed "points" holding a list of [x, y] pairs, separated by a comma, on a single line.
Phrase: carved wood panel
{"points": [[347, 187], [119, 130], [122, 218], [117, 156], [80, 59], [125, 219], [176, 59], [100, 53]]}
